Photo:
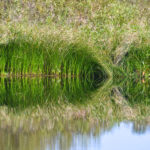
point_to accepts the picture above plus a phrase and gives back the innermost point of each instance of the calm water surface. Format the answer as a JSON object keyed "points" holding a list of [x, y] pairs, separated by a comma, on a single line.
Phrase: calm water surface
{"points": [[76, 135], [123, 136], [120, 137]]}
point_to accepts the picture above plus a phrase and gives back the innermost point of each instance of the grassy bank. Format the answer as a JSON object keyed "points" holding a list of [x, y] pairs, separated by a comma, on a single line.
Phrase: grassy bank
{"points": [[106, 28]]}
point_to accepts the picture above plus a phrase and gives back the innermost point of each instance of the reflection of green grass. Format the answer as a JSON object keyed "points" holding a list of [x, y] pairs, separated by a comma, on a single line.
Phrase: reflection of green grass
{"points": [[137, 67], [23, 93], [99, 106]]}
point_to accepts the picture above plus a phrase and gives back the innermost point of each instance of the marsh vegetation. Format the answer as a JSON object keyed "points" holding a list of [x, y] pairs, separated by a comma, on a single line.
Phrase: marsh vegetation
{"points": [[73, 61]]}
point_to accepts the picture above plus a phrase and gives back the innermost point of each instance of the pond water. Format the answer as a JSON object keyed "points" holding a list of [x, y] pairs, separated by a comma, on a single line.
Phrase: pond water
{"points": [[125, 136], [121, 136], [20, 93]]}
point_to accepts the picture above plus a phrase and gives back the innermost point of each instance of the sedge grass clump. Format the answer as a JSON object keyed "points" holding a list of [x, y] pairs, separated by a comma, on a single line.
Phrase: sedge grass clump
{"points": [[72, 71], [25, 57]]}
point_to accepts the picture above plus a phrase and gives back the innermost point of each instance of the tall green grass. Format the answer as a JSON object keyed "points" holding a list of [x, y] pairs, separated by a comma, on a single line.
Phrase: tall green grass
{"points": [[136, 67], [22, 93], [25, 57]]}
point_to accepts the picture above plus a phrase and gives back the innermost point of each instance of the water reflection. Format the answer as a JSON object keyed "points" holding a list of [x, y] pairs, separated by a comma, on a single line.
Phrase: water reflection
{"points": [[136, 86], [123, 137], [118, 136], [24, 92], [136, 92]]}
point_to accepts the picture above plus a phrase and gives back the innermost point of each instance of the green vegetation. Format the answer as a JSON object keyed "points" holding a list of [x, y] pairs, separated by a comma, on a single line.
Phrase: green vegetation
{"points": [[25, 57], [73, 38], [21, 93], [35, 73], [136, 64]]}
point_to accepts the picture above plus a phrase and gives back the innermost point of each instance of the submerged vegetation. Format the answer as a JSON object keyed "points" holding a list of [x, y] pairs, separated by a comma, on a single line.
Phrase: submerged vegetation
{"points": [[69, 39]]}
